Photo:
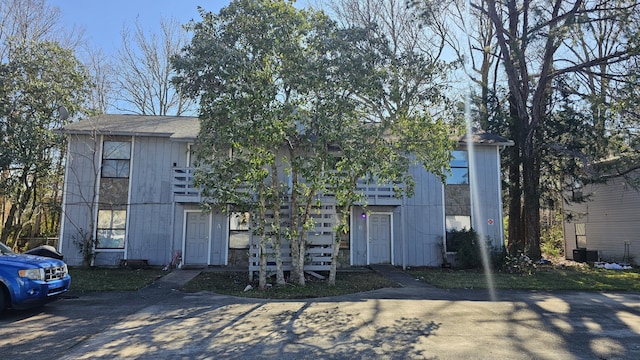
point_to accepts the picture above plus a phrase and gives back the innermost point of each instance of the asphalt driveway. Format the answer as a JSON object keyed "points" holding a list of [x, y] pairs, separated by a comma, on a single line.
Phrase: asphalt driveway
{"points": [[414, 322]]}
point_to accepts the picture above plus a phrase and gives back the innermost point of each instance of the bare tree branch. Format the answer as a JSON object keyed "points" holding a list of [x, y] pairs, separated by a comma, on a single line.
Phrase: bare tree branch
{"points": [[143, 81]]}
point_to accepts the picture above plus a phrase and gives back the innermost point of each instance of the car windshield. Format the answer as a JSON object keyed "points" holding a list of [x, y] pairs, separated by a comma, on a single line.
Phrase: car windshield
{"points": [[4, 249]]}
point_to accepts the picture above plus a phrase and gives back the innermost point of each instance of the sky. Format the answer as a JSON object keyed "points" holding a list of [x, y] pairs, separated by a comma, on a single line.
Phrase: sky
{"points": [[103, 20]]}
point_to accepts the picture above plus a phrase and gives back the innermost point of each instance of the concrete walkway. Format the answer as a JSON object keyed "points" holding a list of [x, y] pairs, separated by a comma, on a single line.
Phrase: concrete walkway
{"points": [[175, 279], [399, 277]]}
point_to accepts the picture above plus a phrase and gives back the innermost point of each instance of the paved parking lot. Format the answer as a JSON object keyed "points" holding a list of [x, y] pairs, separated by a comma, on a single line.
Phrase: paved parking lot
{"points": [[407, 323]]}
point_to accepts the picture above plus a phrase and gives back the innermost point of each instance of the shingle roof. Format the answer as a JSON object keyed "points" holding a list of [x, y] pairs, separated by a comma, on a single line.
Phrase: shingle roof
{"points": [[481, 137], [186, 128], [176, 127]]}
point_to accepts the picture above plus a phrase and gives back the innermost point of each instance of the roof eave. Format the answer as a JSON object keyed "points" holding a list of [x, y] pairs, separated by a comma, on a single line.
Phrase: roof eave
{"points": [[494, 143], [112, 133]]}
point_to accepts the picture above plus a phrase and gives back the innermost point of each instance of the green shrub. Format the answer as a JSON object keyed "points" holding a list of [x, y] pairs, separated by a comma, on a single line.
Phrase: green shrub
{"points": [[498, 256], [519, 264], [551, 235], [466, 244]]}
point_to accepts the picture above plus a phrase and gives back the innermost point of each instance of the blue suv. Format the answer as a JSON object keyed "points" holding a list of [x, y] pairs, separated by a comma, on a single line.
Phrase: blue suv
{"points": [[29, 281]]}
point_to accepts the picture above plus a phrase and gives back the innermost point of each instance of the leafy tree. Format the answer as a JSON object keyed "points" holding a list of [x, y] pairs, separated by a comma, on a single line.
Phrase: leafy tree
{"points": [[37, 81], [23, 25], [627, 108], [412, 90], [412, 68], [531, 36], [283, 121]]}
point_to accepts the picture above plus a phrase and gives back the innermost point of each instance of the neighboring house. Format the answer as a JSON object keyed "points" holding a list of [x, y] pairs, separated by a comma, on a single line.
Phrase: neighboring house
{"points": [[603, 223], [132, 176]]}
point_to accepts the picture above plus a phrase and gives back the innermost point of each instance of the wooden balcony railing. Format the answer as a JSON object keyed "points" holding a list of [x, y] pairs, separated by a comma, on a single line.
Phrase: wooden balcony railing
{"points": [[182, 185], [185, 191]]}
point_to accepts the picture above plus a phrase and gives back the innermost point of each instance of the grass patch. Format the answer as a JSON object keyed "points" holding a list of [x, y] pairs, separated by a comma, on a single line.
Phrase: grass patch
{"points": [[348, 282], [111, 279], [234, 283], [545, 278]]}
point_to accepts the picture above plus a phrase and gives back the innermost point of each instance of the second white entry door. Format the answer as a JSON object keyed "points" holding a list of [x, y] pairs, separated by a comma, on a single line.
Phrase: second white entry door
{"points": [[196, 239], [380, 239]]}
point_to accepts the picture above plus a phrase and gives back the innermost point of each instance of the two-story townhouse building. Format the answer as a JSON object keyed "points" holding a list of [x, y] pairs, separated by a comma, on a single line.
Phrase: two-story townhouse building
{"points": [[132, 177]]}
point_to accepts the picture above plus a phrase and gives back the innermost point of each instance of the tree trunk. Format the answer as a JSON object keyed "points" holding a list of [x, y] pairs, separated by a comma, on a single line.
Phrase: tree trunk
{"points": [[531, 192], [8, 227], [516, 239], [294, 233], [515, 229], [302, 248], [13, 222], [300, 280], [276, 226], [262, 277], [531, 210], [87, 250], [344, 217]]}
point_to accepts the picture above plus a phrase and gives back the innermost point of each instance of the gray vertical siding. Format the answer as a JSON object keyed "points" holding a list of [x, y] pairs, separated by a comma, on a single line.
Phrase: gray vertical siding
{"points": [[80, 181], [485, 196], [150, 227], [178, 224], [151, 200], [424, 221], [219, 229], [611, 215], [155, 228], [419, 222]]}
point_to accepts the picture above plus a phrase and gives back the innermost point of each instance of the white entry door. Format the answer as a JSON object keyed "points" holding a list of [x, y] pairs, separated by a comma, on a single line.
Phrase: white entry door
{"points": [[196, 247], [380, 238]]}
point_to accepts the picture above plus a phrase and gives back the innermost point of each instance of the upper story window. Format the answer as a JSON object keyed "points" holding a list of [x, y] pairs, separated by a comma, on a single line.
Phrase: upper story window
{"points": [[459, 168], [116, 156]]}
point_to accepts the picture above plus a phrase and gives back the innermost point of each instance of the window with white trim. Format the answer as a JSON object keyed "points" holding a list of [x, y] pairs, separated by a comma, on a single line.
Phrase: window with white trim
{"points": [[116, 156], [239, 230], [455, 223], [459, 164], [581, 235], [111, 229], [458, 222]]}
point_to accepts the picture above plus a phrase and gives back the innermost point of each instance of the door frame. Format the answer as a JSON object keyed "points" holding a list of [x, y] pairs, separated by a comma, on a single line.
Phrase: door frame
{"points": [[390, 234], [184, 235]]}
